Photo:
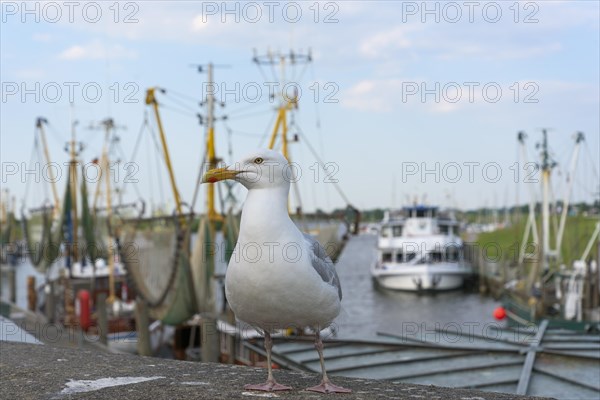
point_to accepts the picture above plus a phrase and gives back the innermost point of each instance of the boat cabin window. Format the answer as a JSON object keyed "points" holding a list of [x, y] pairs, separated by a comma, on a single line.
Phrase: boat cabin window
{"points": [[399, 257], [444, 229], [397, 231], [386, 257], [385, 231], [452, 254], [409, 257], [435, 256]]}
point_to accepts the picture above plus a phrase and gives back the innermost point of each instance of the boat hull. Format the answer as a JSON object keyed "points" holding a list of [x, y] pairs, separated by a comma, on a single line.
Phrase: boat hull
{"points": [[421, 277]]}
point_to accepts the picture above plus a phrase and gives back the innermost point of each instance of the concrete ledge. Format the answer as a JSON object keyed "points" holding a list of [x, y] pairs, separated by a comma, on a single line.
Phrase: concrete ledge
{"points": [[47, 372]]}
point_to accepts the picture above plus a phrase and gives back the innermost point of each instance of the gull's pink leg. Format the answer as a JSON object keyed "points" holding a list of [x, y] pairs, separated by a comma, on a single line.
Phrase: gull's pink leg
{"points": [[326, 386], [270, 385]]}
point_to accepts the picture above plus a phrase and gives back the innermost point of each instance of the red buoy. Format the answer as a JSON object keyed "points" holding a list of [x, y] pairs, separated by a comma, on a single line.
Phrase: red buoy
{"points": [[500, 313], [83, 309]]}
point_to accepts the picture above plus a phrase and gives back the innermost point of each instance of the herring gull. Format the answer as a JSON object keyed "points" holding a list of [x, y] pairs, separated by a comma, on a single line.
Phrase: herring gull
{"points": [[277, 277]]}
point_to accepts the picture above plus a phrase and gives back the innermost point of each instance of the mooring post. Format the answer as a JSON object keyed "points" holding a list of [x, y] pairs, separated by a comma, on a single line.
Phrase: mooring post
{"points": [[12, 285], [50, 301], [31, 293], [482, 277], [210, 338], [102, 318], [142, 324], [231, 337]]}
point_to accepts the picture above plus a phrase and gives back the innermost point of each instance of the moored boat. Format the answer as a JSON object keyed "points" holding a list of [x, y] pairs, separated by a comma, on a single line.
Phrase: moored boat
{"points": [[419, 249]]}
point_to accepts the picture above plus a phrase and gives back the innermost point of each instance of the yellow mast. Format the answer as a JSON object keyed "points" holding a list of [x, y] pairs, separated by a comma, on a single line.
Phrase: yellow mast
{"points": [[213, 215], [108, 125], [286, 104], [151, 99], [40, 125]]}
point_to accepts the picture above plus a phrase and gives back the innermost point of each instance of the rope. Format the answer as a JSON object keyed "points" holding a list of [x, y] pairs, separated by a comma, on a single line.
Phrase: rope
{"points": [[322, 164]]}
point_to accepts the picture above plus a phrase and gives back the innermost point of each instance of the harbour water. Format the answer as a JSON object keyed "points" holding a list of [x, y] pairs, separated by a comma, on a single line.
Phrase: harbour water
{"points": [[367, 309]]}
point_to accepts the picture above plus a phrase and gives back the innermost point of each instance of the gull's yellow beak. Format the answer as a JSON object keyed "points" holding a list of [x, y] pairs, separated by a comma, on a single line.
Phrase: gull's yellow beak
{"points": [[219, 174]]}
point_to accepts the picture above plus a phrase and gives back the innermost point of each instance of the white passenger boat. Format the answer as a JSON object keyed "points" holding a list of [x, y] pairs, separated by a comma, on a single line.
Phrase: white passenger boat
{"points": [[419, 249]]}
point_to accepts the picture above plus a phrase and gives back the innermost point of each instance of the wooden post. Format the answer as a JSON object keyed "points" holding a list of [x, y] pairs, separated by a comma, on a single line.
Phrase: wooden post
{"points": [[482, 277], [31, 294], [12, 285], [102, 318], [231, 337], [210, 338], [50, 302], [142, 323]]}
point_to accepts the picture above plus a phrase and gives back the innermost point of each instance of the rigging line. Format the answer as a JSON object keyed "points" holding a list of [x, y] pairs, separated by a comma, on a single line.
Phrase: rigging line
{"points": [[200, 173], [262, 72], [135, 150], [317, 111], [266, 132], [275, 79], [299, 79], [182, 95], [182, 104], [59, 139], [34, 152], [159, 155], [322, 164], [233, 112], [182, 112], [149, 161], [589, 154], [253, 114]]}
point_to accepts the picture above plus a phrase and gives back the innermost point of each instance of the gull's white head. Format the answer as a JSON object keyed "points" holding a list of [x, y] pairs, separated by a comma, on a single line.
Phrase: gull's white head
{"points": [[262, 168]]}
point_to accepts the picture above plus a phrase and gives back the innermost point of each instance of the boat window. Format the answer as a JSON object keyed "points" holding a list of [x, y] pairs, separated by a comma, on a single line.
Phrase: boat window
{"points": [[385, 231], [397, 231], [399, 257], [444, 229], [452, 254], [386, 257], [435, 256]]}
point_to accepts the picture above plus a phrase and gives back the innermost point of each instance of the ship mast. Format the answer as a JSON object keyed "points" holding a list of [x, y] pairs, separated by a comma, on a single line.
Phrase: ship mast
{"points": [[73, 153], [546, 167], [108, 126], [151, 100], [286, 103], [211, 154], [40, 126]]}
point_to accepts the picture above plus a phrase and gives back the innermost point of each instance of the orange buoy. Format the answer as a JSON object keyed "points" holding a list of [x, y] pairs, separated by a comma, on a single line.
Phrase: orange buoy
{"points": [[500, 313]]}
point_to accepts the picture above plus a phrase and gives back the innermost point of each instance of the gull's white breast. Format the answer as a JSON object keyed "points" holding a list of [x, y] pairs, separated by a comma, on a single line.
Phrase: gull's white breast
{"points": [[277, 287]]}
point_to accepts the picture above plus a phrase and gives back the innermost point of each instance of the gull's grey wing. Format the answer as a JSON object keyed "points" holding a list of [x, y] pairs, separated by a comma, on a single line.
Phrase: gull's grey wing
{"points": [[323, 264]]}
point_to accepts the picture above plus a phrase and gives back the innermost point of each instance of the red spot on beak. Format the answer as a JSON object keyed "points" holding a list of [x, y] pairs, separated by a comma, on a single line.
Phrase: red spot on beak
{"points": [[212, 180]]}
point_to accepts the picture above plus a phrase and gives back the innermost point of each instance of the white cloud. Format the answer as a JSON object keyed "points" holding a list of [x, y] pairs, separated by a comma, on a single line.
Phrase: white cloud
{"points": [[199, 23], [376, 45], [95, 51]]}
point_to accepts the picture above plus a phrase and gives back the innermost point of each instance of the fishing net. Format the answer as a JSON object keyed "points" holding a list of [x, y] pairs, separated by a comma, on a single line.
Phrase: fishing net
{"points": [[44, 232], [212, 249], [155, 254]]}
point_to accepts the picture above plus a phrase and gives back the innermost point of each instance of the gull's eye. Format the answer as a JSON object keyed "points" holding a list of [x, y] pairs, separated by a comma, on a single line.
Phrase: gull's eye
{"points": [[258, 160]]}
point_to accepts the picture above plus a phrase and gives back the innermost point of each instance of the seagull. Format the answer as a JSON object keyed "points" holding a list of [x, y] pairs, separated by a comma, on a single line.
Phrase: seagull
{"points": [[278, 277]]}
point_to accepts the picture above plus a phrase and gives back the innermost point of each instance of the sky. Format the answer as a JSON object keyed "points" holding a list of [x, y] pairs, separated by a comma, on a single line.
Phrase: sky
{"points": [[402, 101]]}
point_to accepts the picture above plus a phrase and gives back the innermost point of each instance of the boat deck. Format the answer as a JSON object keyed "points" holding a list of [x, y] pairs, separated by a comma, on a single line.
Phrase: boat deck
{"points": [[528, 361]]}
